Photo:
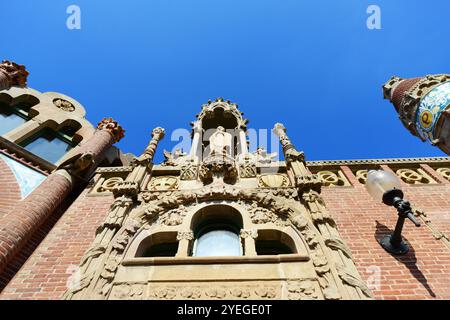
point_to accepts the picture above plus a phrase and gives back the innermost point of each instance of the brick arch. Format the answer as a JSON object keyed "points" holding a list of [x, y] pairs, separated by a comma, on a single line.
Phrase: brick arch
{"points": [[9, 190]]}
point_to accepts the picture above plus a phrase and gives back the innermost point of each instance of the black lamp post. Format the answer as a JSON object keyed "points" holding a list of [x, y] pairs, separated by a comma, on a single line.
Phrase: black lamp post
{"points": [[385, 187]]}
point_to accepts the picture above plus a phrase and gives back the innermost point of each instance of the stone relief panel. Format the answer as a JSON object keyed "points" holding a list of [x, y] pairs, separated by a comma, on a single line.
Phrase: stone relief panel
{"points": [[361, 176], [445, 172], [260, 215], [163, 183], [333, 178], [414, 176], [273, 181], [189, 171], [106, 183], [291, 289]]}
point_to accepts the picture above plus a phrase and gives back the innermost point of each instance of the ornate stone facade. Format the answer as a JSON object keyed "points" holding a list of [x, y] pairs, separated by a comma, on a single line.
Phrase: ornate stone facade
{"points": [[306, 231]]}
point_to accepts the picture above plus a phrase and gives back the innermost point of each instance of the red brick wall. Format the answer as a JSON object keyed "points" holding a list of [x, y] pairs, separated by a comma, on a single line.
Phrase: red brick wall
{"points": [[9, 189], [424, 273], [45, 273]]}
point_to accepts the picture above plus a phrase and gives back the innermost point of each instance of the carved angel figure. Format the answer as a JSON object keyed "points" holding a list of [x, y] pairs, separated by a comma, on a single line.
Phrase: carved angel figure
{"points": [[263, 157], [174, 158]]}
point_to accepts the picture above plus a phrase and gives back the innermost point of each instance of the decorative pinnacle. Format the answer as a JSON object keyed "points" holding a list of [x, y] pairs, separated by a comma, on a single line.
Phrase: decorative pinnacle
{"points": [[113, 127], [158, 133], [389, 87], [15, 73], [279, 129]]}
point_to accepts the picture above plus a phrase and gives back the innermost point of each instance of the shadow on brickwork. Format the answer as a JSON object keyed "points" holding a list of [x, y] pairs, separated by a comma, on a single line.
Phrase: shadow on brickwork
{"points": [[409, 259]]}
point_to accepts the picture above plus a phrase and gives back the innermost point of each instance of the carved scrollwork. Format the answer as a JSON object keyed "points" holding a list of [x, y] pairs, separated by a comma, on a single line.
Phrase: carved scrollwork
{"points": [[301, 290], [189, 171], [412, 176], [361, 176], [445, 172], [330, 178], [261, 215], [128, 291], [109, 184], [214, 292], [173, 217], [247, 168]]}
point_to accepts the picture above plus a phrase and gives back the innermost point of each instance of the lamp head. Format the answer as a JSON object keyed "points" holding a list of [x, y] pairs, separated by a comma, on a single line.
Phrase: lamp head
{"points": [[383, 186]]}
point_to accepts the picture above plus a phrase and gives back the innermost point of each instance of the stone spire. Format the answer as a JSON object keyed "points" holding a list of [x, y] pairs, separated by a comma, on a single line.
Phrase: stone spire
{"points": [[12, 74], [423, 106]]}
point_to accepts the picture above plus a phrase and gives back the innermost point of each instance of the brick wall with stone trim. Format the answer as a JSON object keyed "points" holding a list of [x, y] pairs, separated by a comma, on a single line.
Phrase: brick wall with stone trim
{"points": [[421, 274], [46, 272]]}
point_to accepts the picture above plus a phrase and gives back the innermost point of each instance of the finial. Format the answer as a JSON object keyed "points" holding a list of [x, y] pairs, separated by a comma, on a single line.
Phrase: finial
{"points": [[113, 127]]}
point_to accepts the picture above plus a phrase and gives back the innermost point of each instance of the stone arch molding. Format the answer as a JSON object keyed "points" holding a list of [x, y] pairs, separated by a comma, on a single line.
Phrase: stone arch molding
{"points": [[329, 256]]}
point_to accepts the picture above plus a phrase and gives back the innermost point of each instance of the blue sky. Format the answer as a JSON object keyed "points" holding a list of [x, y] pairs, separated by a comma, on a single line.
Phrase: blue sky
{"points": [[312, 65]]}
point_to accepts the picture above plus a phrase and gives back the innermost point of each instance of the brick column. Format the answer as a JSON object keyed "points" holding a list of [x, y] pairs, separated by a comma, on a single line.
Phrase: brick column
{"points": [[28, 215], [12, 74]]}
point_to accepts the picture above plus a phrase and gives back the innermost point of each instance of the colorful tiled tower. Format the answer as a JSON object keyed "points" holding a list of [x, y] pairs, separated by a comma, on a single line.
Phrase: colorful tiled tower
{"points": [[423, 105]]}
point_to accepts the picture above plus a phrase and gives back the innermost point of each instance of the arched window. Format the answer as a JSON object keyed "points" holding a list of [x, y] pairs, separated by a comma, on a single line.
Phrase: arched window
{"points": [[12, 116], [51, 145], [216, 231], [274, 242], [161, 244]]}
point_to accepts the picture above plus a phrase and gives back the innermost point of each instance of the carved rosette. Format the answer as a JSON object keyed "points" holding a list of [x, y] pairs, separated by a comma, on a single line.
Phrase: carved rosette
{"points": [[12, 74], [112, 127], [64, 105]]}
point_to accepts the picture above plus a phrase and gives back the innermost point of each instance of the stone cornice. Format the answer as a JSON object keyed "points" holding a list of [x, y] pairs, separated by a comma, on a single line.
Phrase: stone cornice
{"points": [[378, 161]]}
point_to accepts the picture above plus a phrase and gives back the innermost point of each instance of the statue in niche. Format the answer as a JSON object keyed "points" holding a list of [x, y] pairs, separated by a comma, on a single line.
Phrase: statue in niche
{"points": [[220, 143]]}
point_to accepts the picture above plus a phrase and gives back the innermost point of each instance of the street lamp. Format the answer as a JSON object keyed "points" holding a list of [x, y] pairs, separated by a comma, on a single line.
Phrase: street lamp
{"points": [[385, 187]]}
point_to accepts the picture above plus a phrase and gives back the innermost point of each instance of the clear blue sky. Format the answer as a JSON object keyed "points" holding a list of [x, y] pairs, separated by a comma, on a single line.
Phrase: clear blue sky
{"points": [[312, 65]]}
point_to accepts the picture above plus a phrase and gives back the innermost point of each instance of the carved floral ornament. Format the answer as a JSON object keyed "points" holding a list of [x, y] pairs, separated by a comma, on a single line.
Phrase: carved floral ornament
{"points": [[163, 183], [278, 201], [64, 105], [16, 74], [414, 176], [113, 127], [445, 172]]}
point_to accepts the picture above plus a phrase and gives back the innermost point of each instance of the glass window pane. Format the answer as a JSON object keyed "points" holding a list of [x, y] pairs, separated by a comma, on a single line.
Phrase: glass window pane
{"points": [[49, 147], [218, 243], [9, 121]]}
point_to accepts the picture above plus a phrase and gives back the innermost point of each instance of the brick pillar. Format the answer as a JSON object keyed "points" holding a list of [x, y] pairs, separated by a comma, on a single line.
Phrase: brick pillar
{"points": [[12, 74], [28, 215]]}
